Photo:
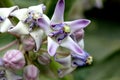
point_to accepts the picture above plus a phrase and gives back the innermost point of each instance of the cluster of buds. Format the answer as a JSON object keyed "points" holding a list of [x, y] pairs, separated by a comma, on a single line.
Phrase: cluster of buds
{"points": [[41, 38]]}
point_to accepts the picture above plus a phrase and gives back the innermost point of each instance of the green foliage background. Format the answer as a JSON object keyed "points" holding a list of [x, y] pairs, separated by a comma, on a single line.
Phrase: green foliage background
{"points": [[102, 40]]}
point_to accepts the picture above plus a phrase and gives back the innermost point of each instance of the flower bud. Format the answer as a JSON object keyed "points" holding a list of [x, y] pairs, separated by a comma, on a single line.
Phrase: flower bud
{"points": [[2, 73], [14, 59], [79, 35], [28, 43], [31, 72], [1, 62], [78, 60], [44, 59]]}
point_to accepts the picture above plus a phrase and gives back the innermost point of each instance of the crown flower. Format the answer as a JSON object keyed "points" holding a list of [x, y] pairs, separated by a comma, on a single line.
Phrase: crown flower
{"points": [[4, 21], [41, 41], [61, 31], [27, 23]]}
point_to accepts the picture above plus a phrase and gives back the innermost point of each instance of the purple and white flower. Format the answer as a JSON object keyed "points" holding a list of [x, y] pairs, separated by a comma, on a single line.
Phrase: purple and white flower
{"points": [[27, 23], [61, 31], [4, 21]]}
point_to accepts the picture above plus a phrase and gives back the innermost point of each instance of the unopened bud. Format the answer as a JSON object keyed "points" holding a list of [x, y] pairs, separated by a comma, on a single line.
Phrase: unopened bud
{"points": [[79, 35], [31, 72], [14, 59], [44, 59], [28, 43], [1, 62]]}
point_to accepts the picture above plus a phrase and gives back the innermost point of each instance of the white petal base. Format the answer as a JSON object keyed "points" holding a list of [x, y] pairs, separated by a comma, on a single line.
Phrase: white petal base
{"points": [[5, 25], [37, 36], [20, 29]]}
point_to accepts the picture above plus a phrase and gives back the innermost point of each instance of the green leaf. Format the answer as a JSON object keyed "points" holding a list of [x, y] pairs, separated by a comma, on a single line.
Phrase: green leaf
{"points": [[6, 3], [26, 3]]}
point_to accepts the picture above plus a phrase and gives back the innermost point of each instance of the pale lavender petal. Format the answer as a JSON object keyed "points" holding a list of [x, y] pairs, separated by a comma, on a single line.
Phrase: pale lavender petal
{"points": [[78, 24], [58, 13], [52, 46], [44, 24], [65, 61], [78, 62], [72, 45]]}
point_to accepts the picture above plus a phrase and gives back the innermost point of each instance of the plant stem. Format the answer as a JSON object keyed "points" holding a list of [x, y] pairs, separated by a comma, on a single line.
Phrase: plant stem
{"points": [[8, 45]]}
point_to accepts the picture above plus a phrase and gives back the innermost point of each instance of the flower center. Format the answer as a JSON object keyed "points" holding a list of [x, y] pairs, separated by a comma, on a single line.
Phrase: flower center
{"points": [[66, 29], [32, 17], [89, 60], [60, 31]]}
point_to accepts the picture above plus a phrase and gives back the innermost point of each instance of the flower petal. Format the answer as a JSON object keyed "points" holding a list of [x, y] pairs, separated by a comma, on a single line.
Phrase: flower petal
{"points": [[78, 24], [81, 43], [65, 61], [37, 36], [52, 46], [20, 29], [78, 62], [38, 8], [21, 16], [58, 13], [4, 12], [5, 25], [44, 24], [64, 71], [70, 44]]}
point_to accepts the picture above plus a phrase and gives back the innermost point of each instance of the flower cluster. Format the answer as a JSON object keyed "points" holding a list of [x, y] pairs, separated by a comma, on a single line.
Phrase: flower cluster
{"points": [[42, 39]]}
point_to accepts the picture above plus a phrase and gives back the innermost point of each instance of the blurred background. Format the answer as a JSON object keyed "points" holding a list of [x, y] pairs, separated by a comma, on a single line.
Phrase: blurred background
{"points": [[102, 36]]}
